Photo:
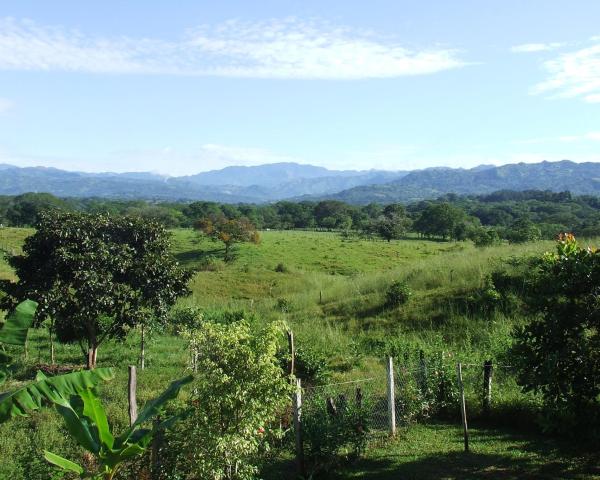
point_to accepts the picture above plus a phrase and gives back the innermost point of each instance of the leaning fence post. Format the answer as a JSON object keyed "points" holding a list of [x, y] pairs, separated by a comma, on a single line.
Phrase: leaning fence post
{"points": [[487, 386], [391, 396], [298, 428], [463, 408], [132, 395]]}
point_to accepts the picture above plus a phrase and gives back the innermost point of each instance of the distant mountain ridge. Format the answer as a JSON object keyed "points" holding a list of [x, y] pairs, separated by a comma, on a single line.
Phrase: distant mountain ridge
{"points": [[256, 184], [272, 182]]}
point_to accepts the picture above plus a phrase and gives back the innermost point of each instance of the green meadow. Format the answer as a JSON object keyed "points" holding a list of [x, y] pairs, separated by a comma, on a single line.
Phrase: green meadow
{"points": [[330, 290]]}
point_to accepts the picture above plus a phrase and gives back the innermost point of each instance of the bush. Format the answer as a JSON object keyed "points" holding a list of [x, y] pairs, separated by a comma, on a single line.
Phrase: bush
{"points": [[311, 364], [330, 438], [236, 402], [558, 351], [284, 305], [397, 294], [281, 268]]}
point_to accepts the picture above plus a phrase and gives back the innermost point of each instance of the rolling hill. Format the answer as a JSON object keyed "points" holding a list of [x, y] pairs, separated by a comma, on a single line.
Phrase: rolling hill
{"points": [[272, 182]]}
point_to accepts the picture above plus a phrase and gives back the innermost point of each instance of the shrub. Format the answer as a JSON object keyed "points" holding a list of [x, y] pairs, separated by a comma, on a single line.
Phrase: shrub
{"points": [[281, 268], [311, 364], [284, 305], [236, 401], [330, 438], [558, 351], [397, 294]]}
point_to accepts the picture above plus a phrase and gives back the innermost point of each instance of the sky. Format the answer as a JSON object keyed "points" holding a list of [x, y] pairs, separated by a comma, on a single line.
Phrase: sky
{"points": [[193, 85]]}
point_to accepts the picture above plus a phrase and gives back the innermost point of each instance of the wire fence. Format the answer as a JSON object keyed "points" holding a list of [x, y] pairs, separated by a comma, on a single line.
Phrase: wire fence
{"points": [[422, 389]]}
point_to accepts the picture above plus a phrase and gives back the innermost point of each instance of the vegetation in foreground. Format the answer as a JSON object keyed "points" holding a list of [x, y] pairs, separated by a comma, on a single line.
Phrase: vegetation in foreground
{"points": [[333, 293]]}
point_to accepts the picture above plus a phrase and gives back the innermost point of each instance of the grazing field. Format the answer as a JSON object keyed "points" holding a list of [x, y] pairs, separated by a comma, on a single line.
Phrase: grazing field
{"points": [[330, 291]]}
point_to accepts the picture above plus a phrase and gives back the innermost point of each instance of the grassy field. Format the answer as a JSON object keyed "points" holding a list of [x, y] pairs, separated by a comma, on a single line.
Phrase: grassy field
{"points": [[331, 293]]}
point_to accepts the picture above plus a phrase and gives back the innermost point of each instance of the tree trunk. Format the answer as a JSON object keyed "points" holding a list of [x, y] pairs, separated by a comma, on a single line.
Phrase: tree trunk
{"points": [[92, 357]]}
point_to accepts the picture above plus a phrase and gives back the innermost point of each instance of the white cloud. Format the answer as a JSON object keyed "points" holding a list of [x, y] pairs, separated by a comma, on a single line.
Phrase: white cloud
{"points": [[536, 47], [287, 48], [5, 105], [573, 75]]}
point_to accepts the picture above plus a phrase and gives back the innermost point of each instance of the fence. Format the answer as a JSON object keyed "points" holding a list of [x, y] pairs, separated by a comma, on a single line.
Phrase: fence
{"points": [[408, 392]]}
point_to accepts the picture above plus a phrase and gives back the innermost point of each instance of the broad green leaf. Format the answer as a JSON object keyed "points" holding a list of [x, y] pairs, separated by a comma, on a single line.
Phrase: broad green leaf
{"points": [[63, 463], [14, 331], [93, 409], [153, 407], [78, 427], [49, 389]]}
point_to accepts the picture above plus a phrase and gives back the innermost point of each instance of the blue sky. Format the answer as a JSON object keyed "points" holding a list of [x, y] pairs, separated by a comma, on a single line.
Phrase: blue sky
{"points": [[188, 86]]}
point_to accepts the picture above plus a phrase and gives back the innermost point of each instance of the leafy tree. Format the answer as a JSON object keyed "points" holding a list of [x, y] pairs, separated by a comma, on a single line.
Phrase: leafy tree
{"points": [[97, 276], [523, 230], [25, 209], [237, 398], [228, 231], [394, 223], [558, 353], [439, 219]]}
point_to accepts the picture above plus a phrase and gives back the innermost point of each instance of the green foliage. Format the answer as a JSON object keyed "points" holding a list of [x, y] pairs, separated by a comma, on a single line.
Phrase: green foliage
{"points": [[240, 391], [523, 230], [14, 332], [440, 220], [281, 268], [311, 364], [398, 293], [32, 396], [97, 276], [228, 230], [558, 352], [331, 437], [86, 421]]}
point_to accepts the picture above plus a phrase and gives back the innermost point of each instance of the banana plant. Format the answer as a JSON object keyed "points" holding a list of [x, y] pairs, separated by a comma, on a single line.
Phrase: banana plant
{"points": [[86, 421], [48, 390], [14, 332]]}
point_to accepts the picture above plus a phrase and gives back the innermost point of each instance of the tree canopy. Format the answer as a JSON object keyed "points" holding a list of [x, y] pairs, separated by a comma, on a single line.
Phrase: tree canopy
{"points": [[96, 275]]}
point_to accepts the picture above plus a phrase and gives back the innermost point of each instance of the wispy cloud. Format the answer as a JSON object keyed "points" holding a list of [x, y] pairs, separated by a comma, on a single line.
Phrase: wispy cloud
{"points": [[536, 47], [573, 74], [288, 48], [5, 105]]}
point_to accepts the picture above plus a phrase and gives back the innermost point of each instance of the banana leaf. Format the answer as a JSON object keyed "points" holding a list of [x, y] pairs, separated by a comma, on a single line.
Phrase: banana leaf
{"points": [[49, 389], [14, 331]]}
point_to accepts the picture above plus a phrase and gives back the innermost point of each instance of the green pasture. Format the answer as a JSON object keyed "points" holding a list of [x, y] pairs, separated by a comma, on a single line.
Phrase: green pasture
{"points": [[331, 291]]}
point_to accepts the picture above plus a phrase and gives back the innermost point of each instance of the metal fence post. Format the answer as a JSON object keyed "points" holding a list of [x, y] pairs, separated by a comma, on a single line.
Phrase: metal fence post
{"points": [[463, 407], [391, 396], [298, 428]]}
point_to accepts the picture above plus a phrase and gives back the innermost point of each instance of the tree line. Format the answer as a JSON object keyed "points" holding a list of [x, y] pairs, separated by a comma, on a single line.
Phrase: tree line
{"points": [[516, 216]]}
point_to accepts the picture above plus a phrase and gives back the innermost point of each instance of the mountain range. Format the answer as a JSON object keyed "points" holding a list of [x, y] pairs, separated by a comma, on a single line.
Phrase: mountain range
{"points": [[272, 182]]}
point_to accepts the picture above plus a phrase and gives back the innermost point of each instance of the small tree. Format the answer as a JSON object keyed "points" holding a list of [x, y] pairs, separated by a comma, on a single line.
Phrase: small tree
{"points": [[97, 276], [558, 352], [237, 398], [228, 231]]}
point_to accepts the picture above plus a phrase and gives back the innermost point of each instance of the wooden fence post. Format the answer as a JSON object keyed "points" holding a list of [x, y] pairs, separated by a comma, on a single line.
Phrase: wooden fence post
{"points": [[132, 395], [292, 352], [298, 428], [488, 369], [143, 349], [463, 408], [391, 396], [422, 372]]}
